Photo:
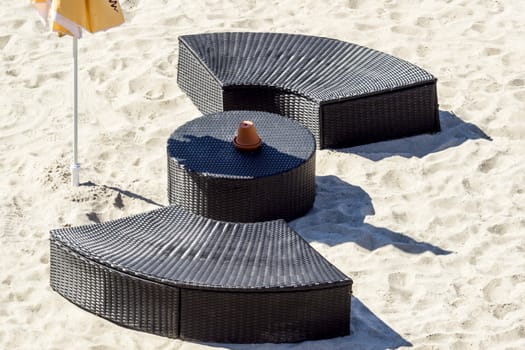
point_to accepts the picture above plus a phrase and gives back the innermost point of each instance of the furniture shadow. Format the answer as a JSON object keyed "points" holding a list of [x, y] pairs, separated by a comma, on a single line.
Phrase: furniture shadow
{"points": [[454, 132], [338, 216], [193, 152], [367, 332]]}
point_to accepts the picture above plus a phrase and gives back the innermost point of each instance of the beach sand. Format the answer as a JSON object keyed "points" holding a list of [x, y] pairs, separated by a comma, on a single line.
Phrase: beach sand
{"points": [[430, 228]]}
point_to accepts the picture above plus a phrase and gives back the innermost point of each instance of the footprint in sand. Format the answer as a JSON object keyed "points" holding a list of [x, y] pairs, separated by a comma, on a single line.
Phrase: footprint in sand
{"points": [[84, 118], [355, 4], [403, 52], [424, 22], [362, 27], [167, 68], [119, 64], [138, 139], [44, 259], [51, 137], [491, 51], [7, 281], [517, 83], [13, 72], [55, 175], [498, 229], [520, 96], [509, 58], [406, 30], [34, 82], [17, 24], [253, 24], [498, 290], [178, 21], [399, 286], [4, 40], [137, 85], [98, 74], [478, 27], [501, 310], [422, 50], [493, 7], [396, 16], [129, 7], [156, 93], [488, 164]]}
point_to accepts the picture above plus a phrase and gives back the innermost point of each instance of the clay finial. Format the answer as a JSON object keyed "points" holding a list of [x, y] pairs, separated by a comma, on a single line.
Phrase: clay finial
{"points": [[247, 138]]}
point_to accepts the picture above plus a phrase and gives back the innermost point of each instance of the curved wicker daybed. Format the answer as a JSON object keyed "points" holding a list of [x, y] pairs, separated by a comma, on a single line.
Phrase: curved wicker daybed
{"points": [[177, 274], [344, 93]]}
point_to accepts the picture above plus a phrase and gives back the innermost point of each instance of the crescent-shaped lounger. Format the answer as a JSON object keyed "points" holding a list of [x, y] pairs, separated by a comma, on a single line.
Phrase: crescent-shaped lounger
{"points": [[173, 273], [344, 93]]}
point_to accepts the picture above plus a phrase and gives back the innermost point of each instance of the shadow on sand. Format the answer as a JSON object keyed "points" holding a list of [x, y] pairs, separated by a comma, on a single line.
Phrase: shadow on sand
{"points": [[338, 216], [120, 192], [453, 133], [367, 332]]}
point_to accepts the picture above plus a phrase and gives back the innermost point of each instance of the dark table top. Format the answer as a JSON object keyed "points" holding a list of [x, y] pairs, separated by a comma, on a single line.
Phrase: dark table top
{"points": [[205, 145]]}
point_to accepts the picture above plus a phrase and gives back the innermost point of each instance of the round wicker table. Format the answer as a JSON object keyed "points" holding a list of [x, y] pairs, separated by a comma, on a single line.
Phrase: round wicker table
{"points": [[210, 177]]}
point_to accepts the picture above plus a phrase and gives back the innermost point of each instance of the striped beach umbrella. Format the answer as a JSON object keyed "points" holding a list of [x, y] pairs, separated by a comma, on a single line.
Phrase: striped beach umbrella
{"points": [[71, 17]]}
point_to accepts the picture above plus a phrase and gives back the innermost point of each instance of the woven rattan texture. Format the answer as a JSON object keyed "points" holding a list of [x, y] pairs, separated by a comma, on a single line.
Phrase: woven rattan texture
{"points": [[175, 247], [265, 317], [176, 274], [294, 106], [354, 122], [128, 301], [320, 68], [193, 78], [209, 177], [305, 73]]}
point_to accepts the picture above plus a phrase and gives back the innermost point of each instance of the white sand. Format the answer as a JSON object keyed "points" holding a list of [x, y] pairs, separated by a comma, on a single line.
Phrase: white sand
{"points": [[431, 228]]}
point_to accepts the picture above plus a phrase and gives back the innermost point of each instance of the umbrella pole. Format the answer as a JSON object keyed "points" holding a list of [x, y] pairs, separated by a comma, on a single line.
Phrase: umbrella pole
{"points": [[75, 167]]}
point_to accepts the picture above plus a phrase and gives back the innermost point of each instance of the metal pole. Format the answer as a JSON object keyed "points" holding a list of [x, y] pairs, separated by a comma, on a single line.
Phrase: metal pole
{"points": [[75, 167]]}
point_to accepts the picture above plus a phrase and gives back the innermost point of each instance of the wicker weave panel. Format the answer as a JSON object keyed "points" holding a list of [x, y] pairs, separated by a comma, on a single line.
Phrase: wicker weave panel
{"points": [[265, 317], [277, 101], [193, 77], [293, 74], [128, 301], [287, 196], [173, 246], [173, 273], [375, 118], [209, 177], [320, 68]]}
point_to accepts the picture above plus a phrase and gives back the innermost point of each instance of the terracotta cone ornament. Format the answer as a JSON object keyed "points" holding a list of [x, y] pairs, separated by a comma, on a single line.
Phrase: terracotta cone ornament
{"points": [[247, 138]]}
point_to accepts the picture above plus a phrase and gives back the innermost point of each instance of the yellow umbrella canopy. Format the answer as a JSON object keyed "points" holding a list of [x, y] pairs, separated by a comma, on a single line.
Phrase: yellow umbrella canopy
{"points": [[69, 17]]}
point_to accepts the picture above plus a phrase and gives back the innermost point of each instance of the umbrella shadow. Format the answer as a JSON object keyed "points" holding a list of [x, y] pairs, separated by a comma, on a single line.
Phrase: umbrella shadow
{"points": [[367, 332], [454, 132], [118, 199], [338, 216]]}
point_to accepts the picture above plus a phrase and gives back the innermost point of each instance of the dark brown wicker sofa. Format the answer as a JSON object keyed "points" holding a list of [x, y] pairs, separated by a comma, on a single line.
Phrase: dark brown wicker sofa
{"points": [[344, 93]]}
